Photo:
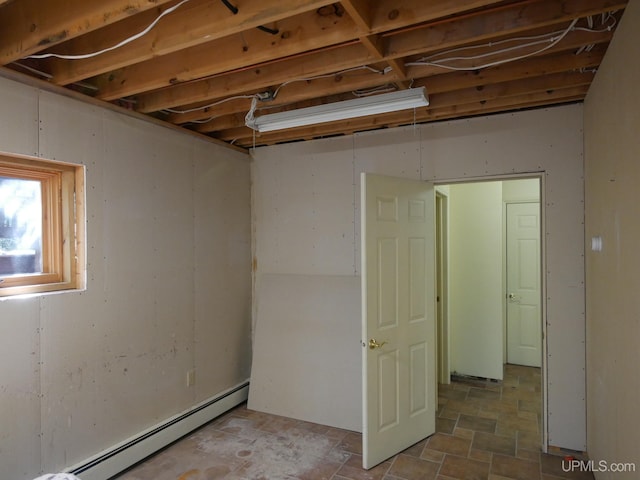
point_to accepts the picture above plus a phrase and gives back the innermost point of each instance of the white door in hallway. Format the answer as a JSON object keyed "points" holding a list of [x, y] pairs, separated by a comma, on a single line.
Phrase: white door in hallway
{"points": [[524, 322], [398, 315]]}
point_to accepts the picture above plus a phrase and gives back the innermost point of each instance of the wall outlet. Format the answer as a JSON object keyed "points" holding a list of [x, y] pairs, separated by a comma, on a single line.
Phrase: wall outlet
{"points": [[191, 378]]}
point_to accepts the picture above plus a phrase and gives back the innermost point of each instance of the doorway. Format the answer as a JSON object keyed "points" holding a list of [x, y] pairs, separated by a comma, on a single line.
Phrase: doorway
{"points": [[470, 226], [480, 328]]}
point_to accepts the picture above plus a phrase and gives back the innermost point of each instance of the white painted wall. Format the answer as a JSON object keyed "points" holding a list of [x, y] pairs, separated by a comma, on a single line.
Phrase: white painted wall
{"points": [[612, 167], [476, 289], [169, 286], [522, 190], [307, 218]]}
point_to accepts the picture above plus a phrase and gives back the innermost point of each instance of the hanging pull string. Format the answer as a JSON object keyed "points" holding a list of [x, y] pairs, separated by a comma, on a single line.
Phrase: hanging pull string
{"points": [[118, 45]]}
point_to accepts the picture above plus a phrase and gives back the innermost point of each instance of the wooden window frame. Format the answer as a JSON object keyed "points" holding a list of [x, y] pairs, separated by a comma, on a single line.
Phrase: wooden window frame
{"points": [[63, 230]]}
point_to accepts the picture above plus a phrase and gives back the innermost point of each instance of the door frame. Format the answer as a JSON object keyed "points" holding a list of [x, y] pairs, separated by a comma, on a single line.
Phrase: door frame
{"points": [[543, 278], [442, 287]]}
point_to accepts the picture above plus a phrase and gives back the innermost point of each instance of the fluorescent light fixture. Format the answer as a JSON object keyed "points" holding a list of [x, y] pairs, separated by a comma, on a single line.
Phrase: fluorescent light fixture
{"points": [[330, 112]]}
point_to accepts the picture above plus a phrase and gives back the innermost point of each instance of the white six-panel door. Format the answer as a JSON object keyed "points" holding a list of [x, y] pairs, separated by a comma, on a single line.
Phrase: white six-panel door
{"points": [[398, 334], [524, 322]]}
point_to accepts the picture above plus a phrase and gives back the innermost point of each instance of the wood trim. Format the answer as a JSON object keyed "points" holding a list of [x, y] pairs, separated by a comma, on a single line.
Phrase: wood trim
{"points": [[61, 184]]}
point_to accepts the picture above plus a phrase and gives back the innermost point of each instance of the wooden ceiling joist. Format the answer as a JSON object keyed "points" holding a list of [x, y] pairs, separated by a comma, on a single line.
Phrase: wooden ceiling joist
{"points": [[199, 63], [197, 22], [245, 137], [453, 88], [405, 44], [298, 34], [29, 26]]}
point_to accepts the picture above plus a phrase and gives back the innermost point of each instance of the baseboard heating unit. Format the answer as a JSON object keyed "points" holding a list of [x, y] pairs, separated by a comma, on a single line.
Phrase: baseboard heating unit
{"points": [[131, 451]]}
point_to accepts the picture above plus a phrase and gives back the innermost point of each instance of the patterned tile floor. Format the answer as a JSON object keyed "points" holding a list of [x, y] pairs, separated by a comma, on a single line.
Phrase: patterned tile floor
{"points": [[485, 431]]}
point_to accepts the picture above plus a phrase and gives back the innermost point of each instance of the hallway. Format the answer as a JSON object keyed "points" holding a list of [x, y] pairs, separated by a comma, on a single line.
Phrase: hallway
{"points": [[485, 431]]}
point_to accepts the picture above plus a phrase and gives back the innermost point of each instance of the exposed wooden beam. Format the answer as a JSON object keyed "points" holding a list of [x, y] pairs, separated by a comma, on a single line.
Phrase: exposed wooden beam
{"points": [[387, 15], [401, 45], [533, 67], [375, 45], [512, 88], [29, 26], [551, 72], [453, 97], [244, 136], [195, 23], [298, 34], [304, 33], [297, 92], [256, 79], [360, 12], [572, 42], [209, 112], [222, 123], [435, 83], [481, 27]]}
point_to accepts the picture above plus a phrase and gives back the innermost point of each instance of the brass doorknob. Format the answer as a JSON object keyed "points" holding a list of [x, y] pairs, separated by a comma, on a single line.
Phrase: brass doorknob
{"points": [[374, 344]]}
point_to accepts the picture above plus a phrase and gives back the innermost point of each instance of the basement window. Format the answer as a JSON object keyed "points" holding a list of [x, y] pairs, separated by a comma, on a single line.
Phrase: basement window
{"points": [[41, 225]]}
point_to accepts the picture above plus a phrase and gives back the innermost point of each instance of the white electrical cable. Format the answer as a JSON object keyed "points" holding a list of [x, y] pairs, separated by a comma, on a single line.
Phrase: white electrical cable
{"points": [[195, 109], [256, 96], [553, 42], [374, 90], [551, 36], [479, 56], [249, 117], [544, 36], [121, 44], [364, 67]]}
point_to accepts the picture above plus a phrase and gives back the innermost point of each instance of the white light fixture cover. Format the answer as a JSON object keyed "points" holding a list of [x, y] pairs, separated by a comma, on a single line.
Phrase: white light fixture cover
{"points": [[359, 107]]}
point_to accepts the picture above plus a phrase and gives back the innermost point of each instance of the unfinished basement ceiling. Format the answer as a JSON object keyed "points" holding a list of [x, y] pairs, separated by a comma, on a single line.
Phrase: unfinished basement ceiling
{"points": [[199, 63]]}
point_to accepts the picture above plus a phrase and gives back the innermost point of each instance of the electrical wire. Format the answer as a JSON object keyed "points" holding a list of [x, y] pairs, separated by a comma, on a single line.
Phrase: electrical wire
{"points": [[329, 75], [249, 117], [553, 38], [372, 91], [172, 110], [114, 47], [544, 36], [441, 63]]}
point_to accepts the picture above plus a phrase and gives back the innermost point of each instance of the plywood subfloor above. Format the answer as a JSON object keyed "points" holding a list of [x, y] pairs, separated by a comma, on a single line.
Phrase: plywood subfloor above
{"points": [[200, 63]]}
